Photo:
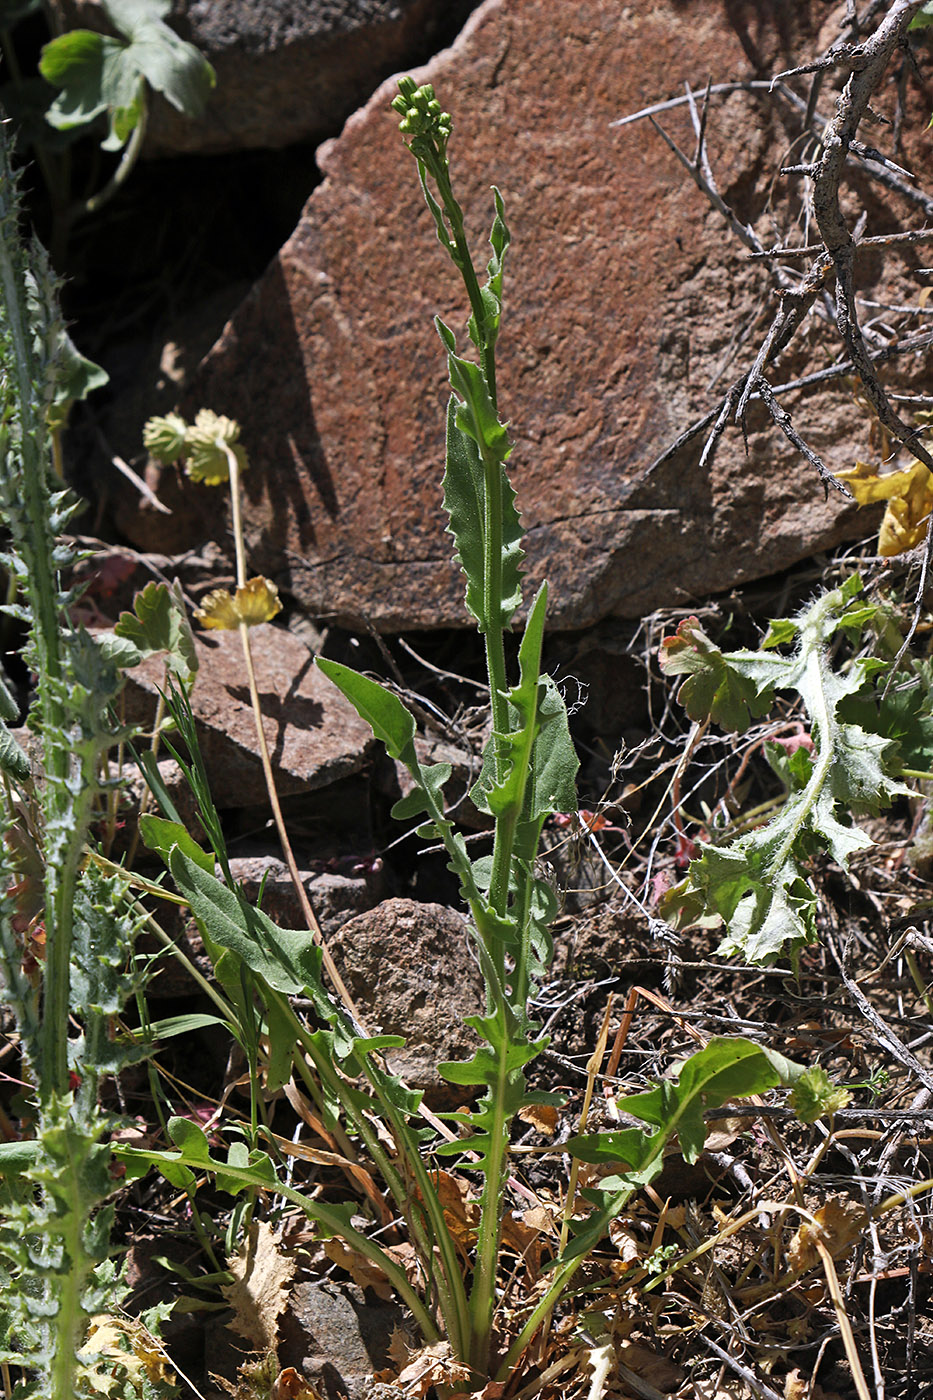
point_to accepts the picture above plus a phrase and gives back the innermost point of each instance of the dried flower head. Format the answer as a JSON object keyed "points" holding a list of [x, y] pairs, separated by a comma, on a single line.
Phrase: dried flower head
{"points": [[207, 445], [257, 601], [164, 437]]}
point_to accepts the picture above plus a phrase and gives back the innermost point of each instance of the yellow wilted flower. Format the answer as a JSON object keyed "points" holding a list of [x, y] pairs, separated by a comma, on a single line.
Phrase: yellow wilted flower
{"points": [[257, 601], [207, 444], [909, 494]]}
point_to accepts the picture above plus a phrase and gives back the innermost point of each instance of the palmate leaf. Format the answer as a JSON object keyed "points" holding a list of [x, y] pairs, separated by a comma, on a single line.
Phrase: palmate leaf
{"points": [[98, 74], [159, 625], [758, 884], [713, 689]]}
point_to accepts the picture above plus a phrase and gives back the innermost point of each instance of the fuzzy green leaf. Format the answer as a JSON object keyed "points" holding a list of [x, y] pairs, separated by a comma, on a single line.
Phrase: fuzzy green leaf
{"points": [[384, 712], [713, 689], [13, 759], [161, 836], [726, 1068], [491, 294], [98, 74], [286, 959]]}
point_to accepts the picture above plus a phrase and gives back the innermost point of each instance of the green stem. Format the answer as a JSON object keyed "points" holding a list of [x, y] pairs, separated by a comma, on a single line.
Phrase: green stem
{"points": [[483, 1292], [70, 1283], [450, 1285], [131, 154]]}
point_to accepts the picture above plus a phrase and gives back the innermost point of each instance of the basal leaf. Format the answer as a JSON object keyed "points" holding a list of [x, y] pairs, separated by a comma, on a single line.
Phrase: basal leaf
{"points": [[98, 74], [727, 1068], [161, 836], [758, 883], [287, 959], [74, 62], [713, 689]]}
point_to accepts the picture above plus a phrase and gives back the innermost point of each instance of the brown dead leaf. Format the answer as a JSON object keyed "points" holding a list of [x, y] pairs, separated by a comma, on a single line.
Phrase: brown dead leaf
{"points": [[795, 1387], [837, 1226], [461, 1211], [288, 1385], [362, 1270], [544, 1117], [433, 1365], [650, 1366], [722, 1133], [630, 1247], [261, 1274]]}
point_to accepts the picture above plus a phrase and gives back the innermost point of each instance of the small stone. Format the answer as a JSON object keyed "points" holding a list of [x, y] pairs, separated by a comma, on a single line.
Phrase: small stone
{"points": [[410, 969], [315, 736]]}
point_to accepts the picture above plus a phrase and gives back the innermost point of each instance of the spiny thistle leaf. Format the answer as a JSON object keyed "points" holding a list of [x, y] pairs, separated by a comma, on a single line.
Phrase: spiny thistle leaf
{"points": [[758, 885]]}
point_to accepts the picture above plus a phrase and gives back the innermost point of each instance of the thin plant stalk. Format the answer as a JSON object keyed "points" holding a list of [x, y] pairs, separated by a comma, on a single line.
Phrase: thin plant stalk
{"points": [[306, 908]]}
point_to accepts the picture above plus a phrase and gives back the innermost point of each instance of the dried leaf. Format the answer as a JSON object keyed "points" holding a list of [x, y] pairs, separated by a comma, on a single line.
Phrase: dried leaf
{"points": [[288, 1385], [257, 1295], [117, 1341], [837, 1226], [461, 1213], [433, 1365], [542, 1116], [650, 1366], [363, 1271], [795, 1386], [909, 494]]}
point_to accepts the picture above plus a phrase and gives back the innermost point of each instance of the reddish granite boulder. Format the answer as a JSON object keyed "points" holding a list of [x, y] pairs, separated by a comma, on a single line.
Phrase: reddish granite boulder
{"points": [[626, 302]]}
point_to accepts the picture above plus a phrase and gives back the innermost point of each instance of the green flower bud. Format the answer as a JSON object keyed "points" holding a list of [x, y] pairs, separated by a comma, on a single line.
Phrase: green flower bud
{"points": [[206, 445], [164, 438]]}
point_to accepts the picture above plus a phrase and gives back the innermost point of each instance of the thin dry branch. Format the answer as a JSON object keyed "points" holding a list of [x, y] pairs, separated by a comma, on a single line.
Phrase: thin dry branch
{"points": [[869, 65], [866, 61]]}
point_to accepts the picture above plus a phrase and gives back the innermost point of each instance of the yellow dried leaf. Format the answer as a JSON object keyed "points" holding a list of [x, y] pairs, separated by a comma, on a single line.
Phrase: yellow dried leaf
{"points": [[257, 601], [909, 494], [122, 1341], [544, 1117], [207, 445], [261, 1274], [837, 1226]]}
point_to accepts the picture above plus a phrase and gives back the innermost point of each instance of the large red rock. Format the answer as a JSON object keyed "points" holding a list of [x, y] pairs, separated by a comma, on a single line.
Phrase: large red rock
{"points": [[628, 308]]}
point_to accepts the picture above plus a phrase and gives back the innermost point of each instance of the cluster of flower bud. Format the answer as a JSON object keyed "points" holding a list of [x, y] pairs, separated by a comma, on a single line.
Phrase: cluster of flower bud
{"points": [[421, 113]]}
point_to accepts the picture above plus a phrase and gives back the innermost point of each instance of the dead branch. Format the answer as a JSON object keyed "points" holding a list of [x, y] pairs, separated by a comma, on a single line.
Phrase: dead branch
{"points": [[867, 71]]}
